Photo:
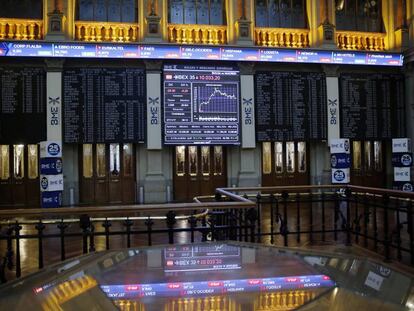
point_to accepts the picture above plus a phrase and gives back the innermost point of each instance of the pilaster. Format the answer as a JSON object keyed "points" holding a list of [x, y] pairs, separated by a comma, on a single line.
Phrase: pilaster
{"points": [[231, 13], [312, 7], [410, 19], [388, 18], [244, 24], [155, 181], [54, 99], [152, 27], [55, 27], [326, 28], [249, 169]]}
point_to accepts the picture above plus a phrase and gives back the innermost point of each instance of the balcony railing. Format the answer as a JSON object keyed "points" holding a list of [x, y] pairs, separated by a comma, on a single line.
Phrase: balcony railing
{"points": [[21, 29], [355, 40], [102, 31], [376, 219], [282, 37], [197, 34]]}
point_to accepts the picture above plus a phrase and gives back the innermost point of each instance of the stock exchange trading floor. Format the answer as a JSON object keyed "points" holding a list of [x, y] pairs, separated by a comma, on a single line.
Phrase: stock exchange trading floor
{"points": [[212, 276]]}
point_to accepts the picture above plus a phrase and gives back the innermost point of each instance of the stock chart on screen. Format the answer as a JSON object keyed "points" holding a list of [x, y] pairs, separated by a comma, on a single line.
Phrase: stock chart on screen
{"points": [[201, 105]]}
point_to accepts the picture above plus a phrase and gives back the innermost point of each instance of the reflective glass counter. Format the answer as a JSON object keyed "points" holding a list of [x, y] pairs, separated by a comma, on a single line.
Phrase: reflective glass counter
{"points": [[212, 276]]}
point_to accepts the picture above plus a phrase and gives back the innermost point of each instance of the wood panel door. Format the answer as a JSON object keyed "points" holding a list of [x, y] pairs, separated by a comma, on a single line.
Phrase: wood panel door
{"points": [[107, 174], [368, 163], [100, 182], [5, 176], [285, 164], [87, 174], [198, 170], [115, 174], [128, 174], [19, 175]]}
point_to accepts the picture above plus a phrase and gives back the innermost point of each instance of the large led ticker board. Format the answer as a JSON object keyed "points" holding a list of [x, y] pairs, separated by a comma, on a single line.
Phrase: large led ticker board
{"points": [[201, 105], [172, 51]]}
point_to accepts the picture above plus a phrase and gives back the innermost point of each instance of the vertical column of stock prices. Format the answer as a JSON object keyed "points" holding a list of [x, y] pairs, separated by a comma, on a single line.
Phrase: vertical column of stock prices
{"points": [[22, 104], [201, 105], [104, 105]]}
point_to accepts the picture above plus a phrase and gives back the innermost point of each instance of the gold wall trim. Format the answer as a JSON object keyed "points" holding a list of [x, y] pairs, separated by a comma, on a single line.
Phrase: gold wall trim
{"points": [[21, 29], [356, 40], [197, 34], [106, 31], [282, 37]]}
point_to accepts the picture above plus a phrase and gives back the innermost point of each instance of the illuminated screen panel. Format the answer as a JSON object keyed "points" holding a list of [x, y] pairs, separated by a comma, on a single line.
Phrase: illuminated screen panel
{"points": [[291, 106], [201, 105], [170, 51], [219, 287], [22, 104], [103, 105], [202, 258], [372, 106]]}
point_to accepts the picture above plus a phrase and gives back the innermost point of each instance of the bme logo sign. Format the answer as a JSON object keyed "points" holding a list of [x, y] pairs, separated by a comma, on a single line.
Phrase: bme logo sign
{"points": [[54, 106]]}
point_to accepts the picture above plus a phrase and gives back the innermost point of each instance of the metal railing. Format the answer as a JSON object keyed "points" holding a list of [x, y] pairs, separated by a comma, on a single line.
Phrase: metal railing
{"points": [[377, 219], [73, 231]]}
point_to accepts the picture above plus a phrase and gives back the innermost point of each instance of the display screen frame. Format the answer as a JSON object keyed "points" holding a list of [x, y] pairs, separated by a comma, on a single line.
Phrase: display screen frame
{"points": [[20, 124], [204, 66], [194, 52], [140, 119], [264, 132], [381, 129]]}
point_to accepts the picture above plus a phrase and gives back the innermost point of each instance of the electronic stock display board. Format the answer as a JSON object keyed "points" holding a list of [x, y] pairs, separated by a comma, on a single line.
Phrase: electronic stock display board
{"points": [[172, 51], [291, 106], [201, 105], [372, 106], [104, 105], [22, 105]]}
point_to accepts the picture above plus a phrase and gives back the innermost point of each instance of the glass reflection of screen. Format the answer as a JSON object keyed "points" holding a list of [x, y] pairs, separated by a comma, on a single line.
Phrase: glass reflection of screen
{"points": [[182, 258]]}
